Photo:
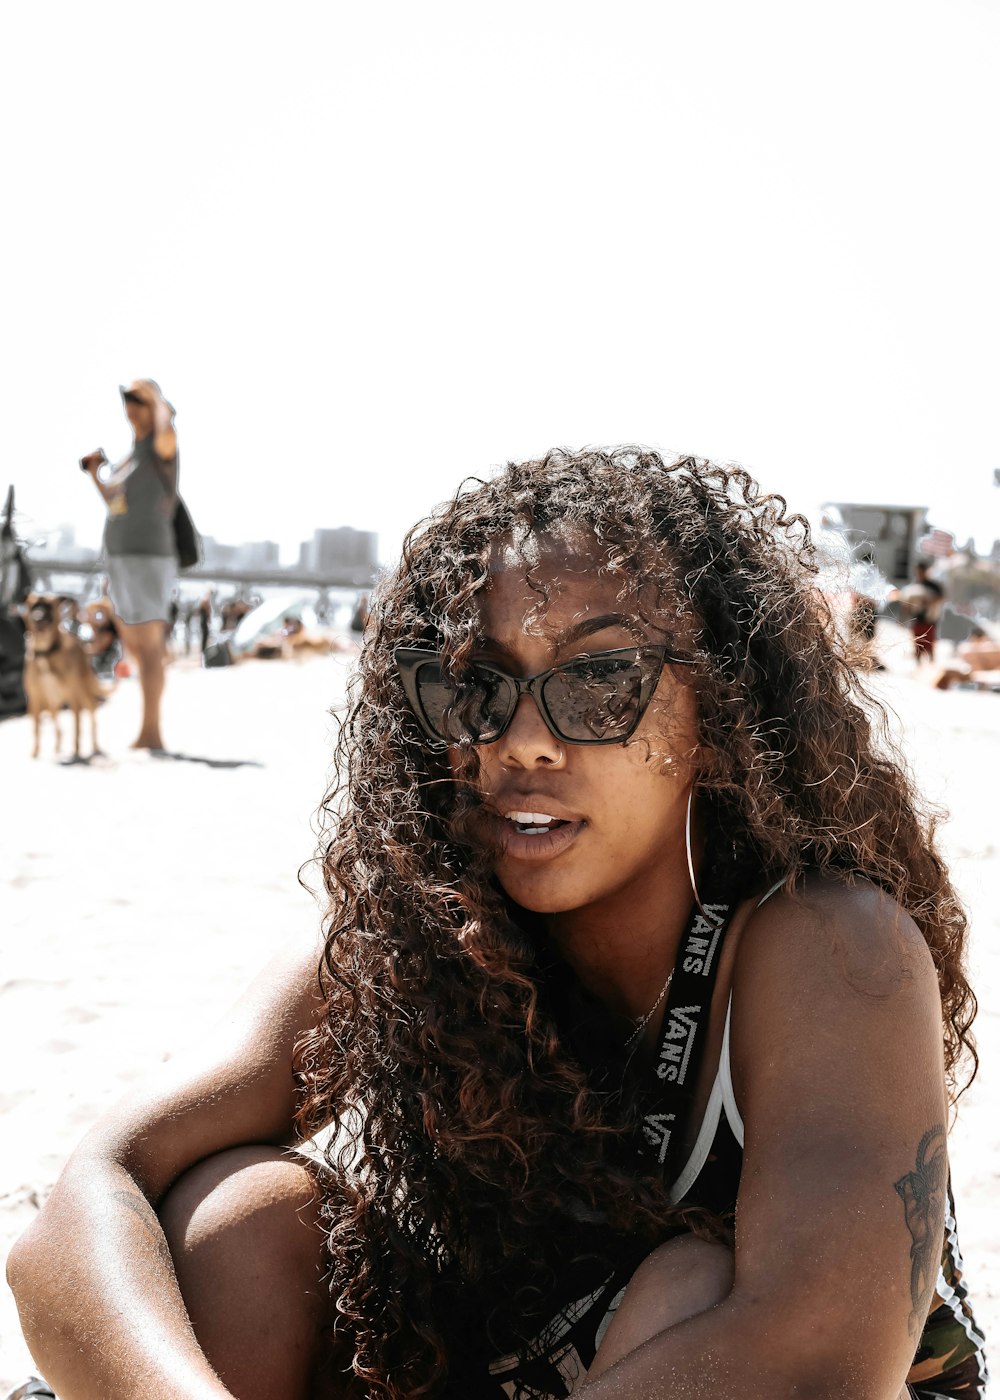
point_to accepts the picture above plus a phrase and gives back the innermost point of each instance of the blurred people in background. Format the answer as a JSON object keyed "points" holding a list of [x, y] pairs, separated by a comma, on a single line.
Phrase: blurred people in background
{"points": [[173, 613], [864, 609], [15, 585], [203, 612], [976, 663], [980, 651], [861, 622], [234, 610], [141, 497], [359, 618], [187, 621], [923, 600]]}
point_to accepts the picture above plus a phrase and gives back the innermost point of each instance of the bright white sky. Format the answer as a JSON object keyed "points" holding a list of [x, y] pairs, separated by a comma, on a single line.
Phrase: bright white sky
{"points": [[368, 249]]}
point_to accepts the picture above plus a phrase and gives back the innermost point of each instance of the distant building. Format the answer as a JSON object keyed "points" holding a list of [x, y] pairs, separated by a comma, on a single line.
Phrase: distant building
{"points": [[888, 534], [259, 554], [347, 555], [216, 555], [332, 551], [64, 546], [252, 554]]}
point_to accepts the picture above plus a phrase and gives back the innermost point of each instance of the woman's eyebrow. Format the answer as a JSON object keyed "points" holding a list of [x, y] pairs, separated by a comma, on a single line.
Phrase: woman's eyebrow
{"points": [[586, 627]]}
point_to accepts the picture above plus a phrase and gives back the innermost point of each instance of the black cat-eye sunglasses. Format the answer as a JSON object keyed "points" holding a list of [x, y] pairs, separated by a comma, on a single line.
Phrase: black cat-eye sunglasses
{"points": [[595, 699]]}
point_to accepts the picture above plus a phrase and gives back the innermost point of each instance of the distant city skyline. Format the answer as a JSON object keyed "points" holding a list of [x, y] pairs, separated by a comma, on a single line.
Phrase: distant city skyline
{"points": [[347, 548], [328, 548], [367, 545]]}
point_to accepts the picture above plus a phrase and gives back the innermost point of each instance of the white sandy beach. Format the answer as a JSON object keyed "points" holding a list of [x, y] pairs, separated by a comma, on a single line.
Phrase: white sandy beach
{"points": [[139, 895]]}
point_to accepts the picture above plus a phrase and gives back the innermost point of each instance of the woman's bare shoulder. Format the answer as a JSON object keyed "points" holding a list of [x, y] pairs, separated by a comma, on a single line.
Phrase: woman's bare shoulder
{"points": [[843, 930], [835, 963]]}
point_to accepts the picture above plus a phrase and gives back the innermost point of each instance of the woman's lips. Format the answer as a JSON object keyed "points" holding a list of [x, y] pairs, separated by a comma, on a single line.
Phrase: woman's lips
{"points": [[518, 845]]}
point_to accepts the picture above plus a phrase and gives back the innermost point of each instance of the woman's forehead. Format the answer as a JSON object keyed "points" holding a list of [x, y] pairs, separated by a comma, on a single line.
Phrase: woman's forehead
{"points": [[545, 583], [561, 543]]}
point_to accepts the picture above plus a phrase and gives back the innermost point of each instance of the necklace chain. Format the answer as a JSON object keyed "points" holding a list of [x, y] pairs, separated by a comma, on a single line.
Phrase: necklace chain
{"points": [[644, 1021]]}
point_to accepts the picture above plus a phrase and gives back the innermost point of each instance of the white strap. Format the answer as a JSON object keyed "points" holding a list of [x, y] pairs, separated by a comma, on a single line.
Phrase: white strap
{"points": [[725, 1080], [702, 1146]]}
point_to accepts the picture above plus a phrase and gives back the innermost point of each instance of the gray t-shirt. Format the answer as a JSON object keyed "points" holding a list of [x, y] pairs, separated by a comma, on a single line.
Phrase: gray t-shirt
{"points": [[141, 513]]}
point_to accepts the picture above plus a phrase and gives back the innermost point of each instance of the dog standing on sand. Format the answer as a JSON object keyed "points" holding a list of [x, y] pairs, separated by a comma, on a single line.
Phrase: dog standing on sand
{"points": [[57, 671]]}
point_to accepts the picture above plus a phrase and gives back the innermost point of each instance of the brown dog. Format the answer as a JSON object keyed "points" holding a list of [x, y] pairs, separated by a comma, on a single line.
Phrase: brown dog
{"points": [[56, 670]]}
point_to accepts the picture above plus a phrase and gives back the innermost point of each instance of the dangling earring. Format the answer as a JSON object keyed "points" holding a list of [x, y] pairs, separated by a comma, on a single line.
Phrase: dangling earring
{"points": [[687, 847]]}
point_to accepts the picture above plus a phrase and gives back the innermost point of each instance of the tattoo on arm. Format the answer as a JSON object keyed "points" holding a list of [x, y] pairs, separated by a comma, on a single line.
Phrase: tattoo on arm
{"points": [[146, 1215], [922, 1192]]}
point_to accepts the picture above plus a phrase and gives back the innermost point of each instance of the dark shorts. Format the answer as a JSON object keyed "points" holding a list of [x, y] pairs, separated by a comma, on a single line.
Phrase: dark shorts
{"points": [[556, 1360]]}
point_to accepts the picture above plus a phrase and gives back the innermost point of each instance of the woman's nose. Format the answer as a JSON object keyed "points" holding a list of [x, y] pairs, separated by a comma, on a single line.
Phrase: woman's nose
{"points": [[529, 740]]}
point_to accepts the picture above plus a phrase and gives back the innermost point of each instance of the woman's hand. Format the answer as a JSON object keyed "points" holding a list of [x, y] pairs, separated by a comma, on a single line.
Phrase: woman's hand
{"points": [[93, 461], [91, 464]]}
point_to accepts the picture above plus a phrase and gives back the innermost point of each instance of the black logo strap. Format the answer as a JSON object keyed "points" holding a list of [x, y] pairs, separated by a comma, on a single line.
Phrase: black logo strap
{"points": [[668, 1089]]}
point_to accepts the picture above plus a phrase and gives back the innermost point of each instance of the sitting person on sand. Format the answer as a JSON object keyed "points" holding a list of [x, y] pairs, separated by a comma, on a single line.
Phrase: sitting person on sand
{"points": [[635, 1025], [976, 662]]}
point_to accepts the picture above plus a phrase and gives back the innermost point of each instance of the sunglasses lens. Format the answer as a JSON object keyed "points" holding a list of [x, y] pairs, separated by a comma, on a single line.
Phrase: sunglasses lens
{"points": [[597, 698], [475, 711]]}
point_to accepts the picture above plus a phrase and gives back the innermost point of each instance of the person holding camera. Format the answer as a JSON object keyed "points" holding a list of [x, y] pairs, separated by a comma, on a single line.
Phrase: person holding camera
{"points": [[140, 493]]}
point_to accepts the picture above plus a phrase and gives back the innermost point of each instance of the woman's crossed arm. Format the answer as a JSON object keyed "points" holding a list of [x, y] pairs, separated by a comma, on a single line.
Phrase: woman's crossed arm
{"points": [[838, 1073], [93, 1277]]}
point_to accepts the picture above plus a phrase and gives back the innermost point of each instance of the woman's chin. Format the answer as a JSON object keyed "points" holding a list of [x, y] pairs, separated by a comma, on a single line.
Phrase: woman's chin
{"points": [[541, 893]]}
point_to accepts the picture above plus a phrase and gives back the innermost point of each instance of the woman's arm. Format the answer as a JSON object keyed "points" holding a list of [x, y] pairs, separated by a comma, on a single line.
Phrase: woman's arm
{"points": [[164, 437], [164, 446], [837, 1063], [93, 1278]]}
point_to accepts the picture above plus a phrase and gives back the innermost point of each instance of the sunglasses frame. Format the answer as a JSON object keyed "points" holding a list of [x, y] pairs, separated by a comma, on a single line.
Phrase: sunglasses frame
{"points": [[410, 659]]}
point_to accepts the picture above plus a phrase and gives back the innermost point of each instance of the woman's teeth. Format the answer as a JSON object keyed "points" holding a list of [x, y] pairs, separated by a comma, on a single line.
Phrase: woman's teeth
{"points": [[533, 823]]}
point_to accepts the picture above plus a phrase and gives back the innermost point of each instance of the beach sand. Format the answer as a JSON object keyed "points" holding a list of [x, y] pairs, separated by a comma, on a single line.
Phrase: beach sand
{"points": [[140, 895]]}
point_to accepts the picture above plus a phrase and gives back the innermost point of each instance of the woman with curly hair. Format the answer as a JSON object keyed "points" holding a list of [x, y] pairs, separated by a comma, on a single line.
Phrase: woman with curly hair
{"points": [[639, 1008]]}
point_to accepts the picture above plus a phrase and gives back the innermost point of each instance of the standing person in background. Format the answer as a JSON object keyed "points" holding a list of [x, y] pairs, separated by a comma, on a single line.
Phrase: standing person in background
{"points": [[190, 612], [204, 612], [141, 497], [173, 614], [359, 618], [923, 599]]}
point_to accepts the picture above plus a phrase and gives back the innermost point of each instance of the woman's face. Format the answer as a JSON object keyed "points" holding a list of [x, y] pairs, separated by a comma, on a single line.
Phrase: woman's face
{"points": [[620, 809]]}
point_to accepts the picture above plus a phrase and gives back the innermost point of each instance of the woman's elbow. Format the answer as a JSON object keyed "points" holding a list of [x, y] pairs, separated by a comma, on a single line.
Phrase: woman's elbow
{"points": [[27, 1262]]}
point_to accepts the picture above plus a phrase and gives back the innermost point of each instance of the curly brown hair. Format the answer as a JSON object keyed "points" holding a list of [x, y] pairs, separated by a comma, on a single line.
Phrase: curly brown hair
{"points": [[463, 1115]]}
